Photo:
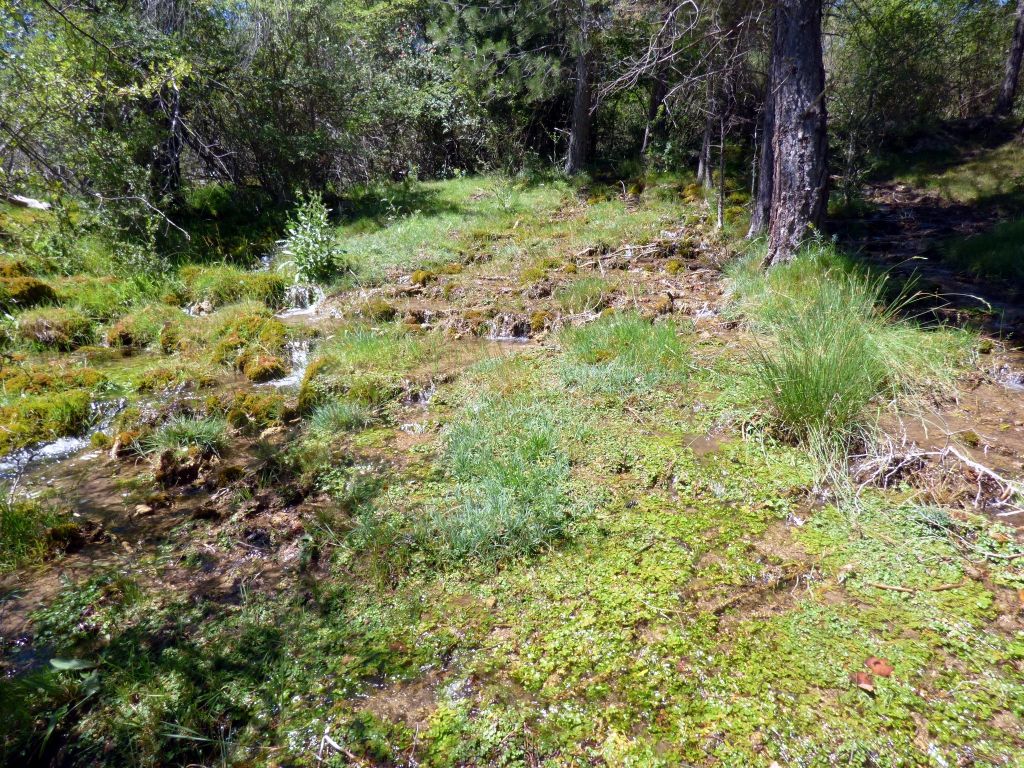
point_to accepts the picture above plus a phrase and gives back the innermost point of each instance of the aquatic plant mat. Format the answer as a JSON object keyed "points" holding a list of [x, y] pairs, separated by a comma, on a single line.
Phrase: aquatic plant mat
{"points": [[532, 488]]}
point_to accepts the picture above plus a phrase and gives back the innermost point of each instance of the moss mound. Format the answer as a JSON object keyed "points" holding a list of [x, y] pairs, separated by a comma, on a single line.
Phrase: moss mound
{"points": [[24, 292], [55, 328]]}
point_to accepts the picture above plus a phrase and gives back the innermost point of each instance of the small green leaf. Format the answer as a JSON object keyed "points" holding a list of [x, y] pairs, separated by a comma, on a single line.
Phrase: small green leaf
{"points": [[70, 665]]}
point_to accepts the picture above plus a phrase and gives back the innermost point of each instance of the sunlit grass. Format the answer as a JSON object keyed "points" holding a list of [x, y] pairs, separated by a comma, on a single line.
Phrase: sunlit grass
{"points": [[208, 435], [994, 255], [622, 354], [831, 345]]}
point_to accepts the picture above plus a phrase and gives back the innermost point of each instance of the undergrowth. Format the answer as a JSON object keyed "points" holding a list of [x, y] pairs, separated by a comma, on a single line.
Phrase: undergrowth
{"points": [[620, 354], [831, 347]]}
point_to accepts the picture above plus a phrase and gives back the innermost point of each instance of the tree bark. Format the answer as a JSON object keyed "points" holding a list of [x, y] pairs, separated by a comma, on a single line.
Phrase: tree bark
{"points": [[761, 213], [1004, 104], [720, 221], [654, 120], [800, 178], [166, 161], [704, 161], [579, 129]]}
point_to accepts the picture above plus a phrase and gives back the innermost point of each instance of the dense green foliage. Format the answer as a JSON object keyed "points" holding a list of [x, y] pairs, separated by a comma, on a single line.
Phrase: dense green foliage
{"points": [[343, 422]]}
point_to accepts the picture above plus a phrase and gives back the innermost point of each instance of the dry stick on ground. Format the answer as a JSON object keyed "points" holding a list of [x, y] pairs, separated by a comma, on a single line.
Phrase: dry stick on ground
{"points": [[913, 590]]}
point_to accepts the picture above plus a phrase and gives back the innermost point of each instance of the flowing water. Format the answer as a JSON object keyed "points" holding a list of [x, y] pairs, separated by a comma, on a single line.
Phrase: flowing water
{"points": [[298, 360], [17, 463], [301, 299]]}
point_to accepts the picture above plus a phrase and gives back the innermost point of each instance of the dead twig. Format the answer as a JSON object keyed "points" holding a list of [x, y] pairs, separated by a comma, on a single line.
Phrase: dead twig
{"points": [[914, 590]]}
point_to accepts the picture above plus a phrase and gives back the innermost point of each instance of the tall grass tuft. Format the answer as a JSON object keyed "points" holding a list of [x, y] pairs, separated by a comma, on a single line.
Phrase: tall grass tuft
{"points": [[511, 474], [831, 346], [624, 354], [334, 416], [587, 294], [207, 435]]}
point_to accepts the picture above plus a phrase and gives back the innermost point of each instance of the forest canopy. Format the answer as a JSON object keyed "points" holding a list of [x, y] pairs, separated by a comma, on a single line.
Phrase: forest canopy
{"points": [[128, 103]]}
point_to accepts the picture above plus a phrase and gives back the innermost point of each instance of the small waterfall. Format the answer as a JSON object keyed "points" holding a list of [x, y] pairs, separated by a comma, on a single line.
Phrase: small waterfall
{"points": [[301, 299], [509, 327], [1010, 378], [17, 462], [298, 361]]}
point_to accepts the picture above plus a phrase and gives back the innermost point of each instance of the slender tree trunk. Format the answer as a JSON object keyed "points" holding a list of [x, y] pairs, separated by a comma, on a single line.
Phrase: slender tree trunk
{"points": [[800, 183], [658, 90], [704, 160], [579, 129], [166, 162], [761, 213], [721, 172], [1004, 104]]}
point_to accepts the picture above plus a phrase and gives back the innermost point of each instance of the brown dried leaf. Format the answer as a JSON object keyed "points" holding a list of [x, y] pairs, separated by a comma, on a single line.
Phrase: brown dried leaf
{"points": [[863, 680], [880, 667]]}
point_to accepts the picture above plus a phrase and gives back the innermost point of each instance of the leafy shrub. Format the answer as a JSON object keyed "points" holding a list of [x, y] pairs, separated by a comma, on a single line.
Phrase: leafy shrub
{"points": [[310, 246], [622, 354]]}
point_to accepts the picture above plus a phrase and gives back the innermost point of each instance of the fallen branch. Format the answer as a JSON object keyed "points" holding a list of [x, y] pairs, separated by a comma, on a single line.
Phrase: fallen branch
{"points": [[913, 590]]}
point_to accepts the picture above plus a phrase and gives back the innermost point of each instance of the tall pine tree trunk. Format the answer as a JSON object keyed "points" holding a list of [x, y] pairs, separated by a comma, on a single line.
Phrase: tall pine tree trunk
{"points": [[1004, 104], [761, 213], [579, 128], [800, 183]]}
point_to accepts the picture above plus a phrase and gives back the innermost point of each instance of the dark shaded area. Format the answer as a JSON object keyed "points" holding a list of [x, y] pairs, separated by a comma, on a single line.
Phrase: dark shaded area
{"points": [[918, 237]]}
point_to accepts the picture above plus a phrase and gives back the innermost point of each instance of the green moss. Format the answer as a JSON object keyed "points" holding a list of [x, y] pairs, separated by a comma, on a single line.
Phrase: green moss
{"points": [[259, 367], [163, 377], [422, 277], [40, 378], [24, 292], [257, 410], [244, 332], [225, 284], [540, 320], [34, 418], [55, 328], [14, 268], [379, 309]]}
